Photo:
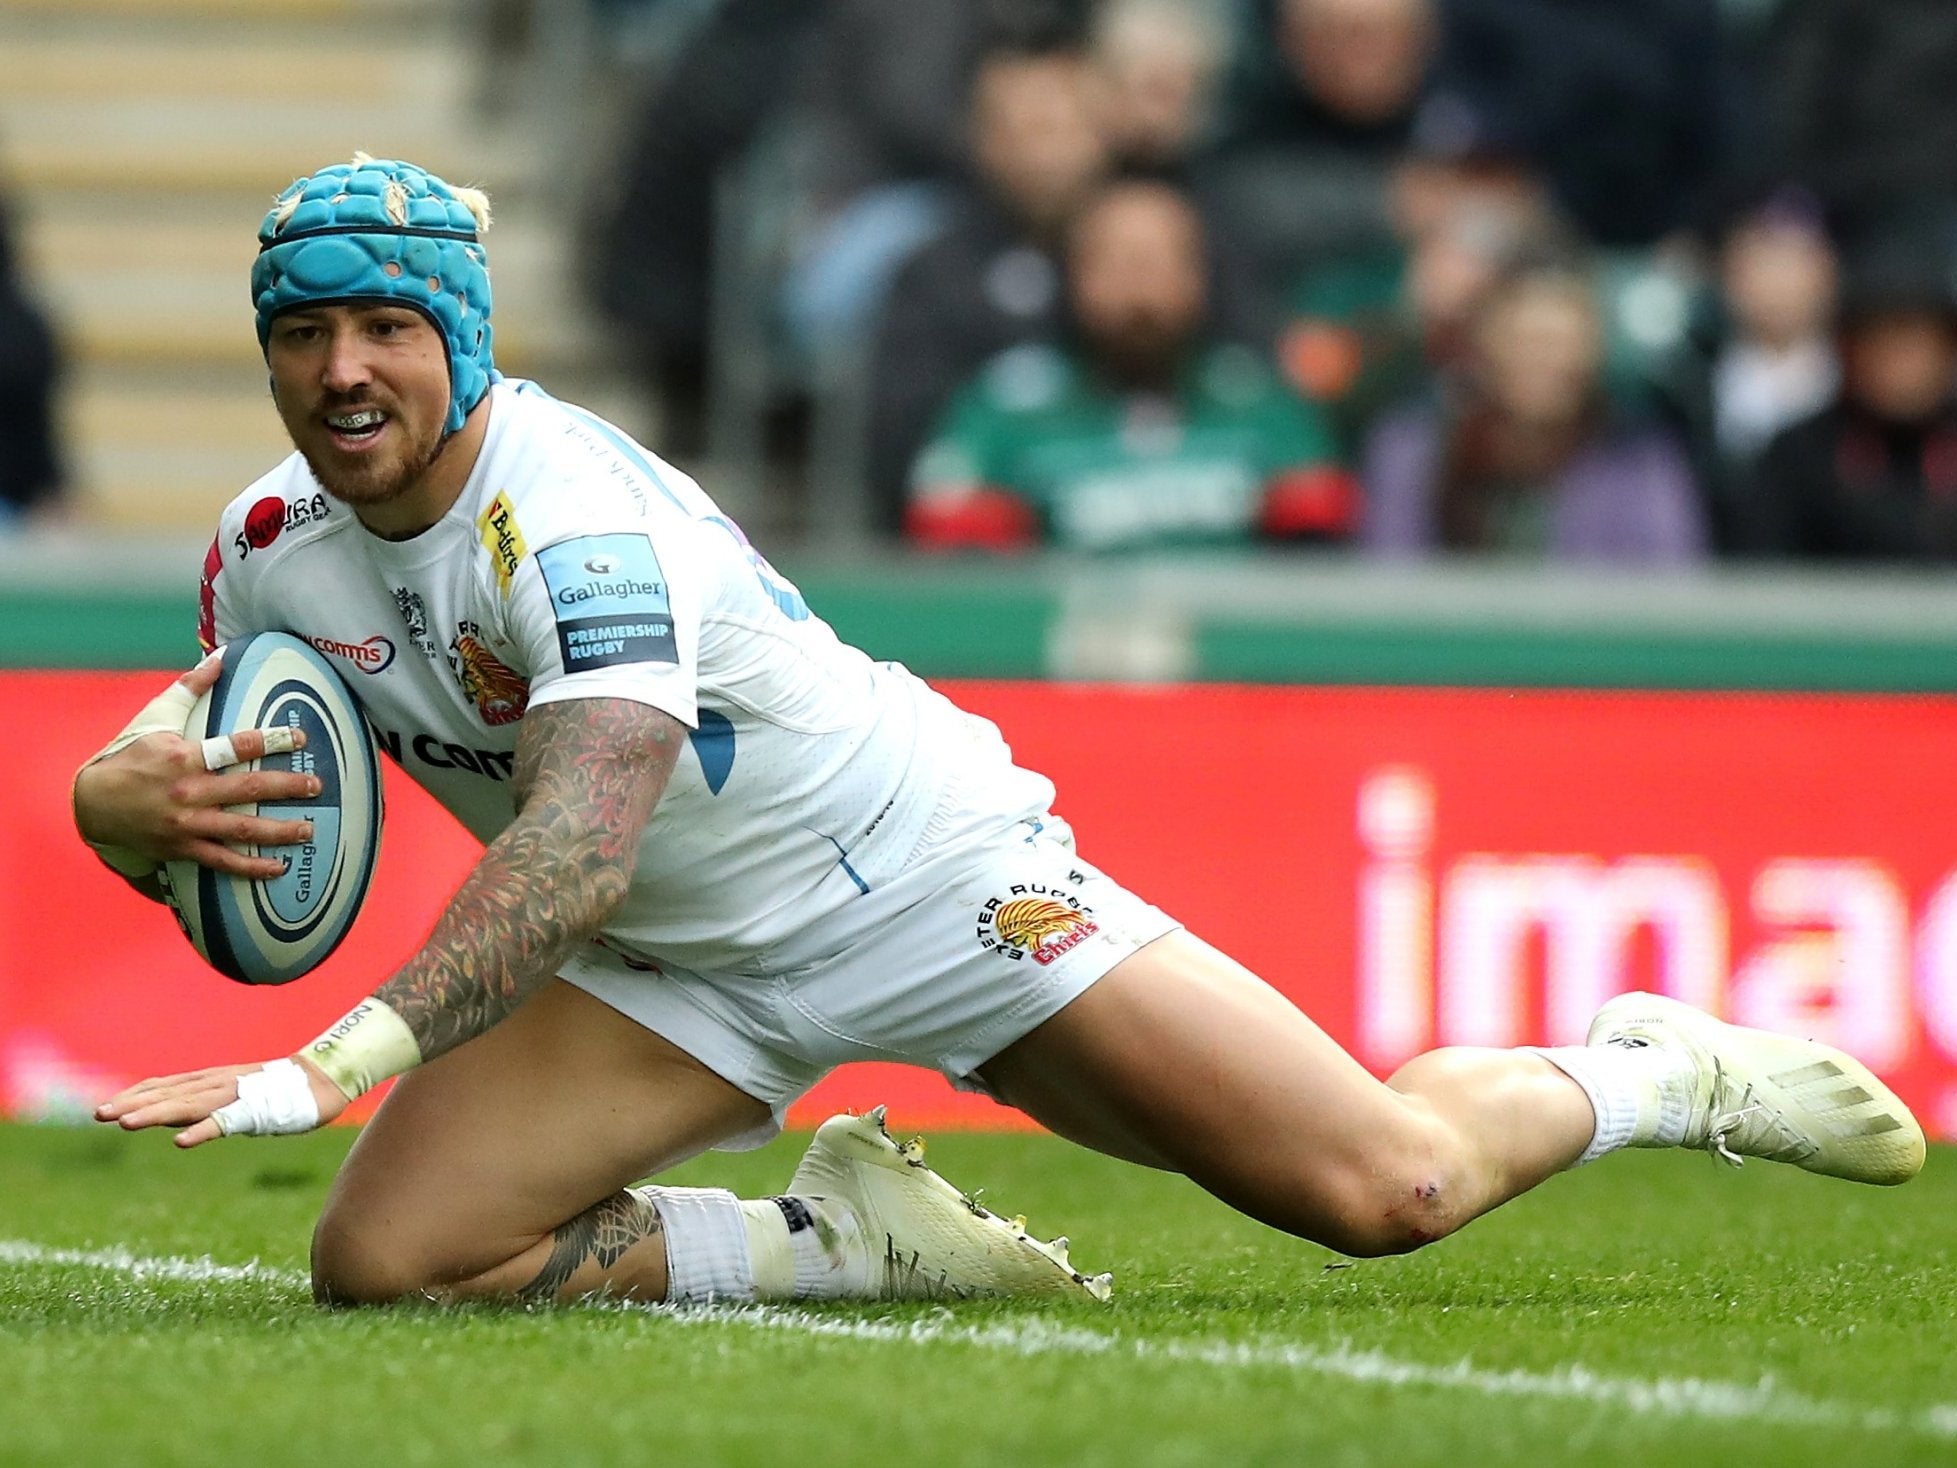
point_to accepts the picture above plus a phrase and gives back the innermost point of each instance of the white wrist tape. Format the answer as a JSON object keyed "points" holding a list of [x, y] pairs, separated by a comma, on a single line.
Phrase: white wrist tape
{"points": [[365, 1047], [272, 1102], [167, 713]]}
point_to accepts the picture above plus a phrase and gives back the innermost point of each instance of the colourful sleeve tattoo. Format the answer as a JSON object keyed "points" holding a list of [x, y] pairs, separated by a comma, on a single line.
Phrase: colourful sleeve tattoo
{"points": [[588, 774]]}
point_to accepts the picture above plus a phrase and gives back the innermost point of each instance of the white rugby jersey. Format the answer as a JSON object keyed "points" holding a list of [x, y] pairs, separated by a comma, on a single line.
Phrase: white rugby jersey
{"points": [[575, 564]]}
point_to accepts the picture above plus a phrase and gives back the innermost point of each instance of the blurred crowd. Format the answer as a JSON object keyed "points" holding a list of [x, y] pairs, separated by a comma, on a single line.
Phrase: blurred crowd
{"points": [[1650, 281], [1640, 280], [31, 476]]}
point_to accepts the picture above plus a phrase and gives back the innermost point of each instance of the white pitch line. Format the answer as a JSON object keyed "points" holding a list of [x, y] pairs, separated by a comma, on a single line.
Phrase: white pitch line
{"points": [[1661, 1396], [141, 1266], [1687, 1396]]}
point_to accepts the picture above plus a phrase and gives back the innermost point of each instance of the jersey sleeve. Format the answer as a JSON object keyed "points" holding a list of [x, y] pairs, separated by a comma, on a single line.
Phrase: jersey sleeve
{"points": [[610, 608], [221, 613]]}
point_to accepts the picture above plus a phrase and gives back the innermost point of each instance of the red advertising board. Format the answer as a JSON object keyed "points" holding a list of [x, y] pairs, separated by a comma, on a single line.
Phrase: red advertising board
{"points": [[1413, 867]]}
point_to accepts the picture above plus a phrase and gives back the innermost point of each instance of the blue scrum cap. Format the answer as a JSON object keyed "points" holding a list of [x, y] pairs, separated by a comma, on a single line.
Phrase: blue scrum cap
{"points": [[378, 230]]}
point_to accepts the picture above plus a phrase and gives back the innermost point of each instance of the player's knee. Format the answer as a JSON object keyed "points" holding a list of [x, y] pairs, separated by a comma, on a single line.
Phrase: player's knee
{"points": [[1396, 1218], [355, 1264], [1413, 1194]]}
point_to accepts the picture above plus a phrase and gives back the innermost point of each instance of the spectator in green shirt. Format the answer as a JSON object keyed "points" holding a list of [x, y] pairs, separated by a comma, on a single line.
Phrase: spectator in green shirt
{"points": [[1142, 431], [1367, 329]]}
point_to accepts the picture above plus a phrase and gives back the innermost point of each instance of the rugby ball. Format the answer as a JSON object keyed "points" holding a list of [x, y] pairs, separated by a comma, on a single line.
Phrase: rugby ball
{"points": [[272, 932]]}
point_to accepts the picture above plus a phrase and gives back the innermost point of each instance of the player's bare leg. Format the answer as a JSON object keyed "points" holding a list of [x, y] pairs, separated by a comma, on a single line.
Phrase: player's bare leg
{"points": [[476, 1163], [1182, 1058], [501, 1169]]}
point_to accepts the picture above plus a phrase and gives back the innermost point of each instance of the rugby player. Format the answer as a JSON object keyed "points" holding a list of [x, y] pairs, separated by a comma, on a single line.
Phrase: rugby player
{"points": [[731, 852]]}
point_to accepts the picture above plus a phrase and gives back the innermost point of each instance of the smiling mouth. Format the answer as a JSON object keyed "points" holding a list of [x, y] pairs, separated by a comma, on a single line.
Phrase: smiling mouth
{"points": [[358, 427]]}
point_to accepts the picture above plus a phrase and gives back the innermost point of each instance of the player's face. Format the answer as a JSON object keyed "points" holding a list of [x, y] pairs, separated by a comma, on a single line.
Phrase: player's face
{"points": [[364, 392]]}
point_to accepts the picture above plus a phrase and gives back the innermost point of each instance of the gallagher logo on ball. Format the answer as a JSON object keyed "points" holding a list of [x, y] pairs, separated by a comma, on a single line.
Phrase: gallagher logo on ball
{"points": [[1035, 921]]}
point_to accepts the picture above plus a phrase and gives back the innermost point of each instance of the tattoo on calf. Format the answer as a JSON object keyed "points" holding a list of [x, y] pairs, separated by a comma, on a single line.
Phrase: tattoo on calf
{"points": [[603, 1232], [588, 775]]}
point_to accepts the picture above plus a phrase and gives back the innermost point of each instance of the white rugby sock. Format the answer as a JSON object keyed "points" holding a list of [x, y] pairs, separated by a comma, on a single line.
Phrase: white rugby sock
{"points": [[734, 1250], [1634, 1094], [805, 1248], [708, 1256]]}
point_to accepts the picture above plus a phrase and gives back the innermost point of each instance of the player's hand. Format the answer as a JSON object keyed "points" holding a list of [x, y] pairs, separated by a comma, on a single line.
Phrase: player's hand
{"points": [[163, 796], [192, 1100]]}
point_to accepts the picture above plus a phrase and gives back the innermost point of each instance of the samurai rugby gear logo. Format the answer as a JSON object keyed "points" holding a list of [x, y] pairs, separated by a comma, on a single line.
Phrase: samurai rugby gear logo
{"points": [[1035, 921], [265, 521], [500, 694]]}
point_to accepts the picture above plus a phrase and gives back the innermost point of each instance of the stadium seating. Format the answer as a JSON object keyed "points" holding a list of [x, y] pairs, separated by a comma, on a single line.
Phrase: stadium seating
{"points": [[141, 142]]}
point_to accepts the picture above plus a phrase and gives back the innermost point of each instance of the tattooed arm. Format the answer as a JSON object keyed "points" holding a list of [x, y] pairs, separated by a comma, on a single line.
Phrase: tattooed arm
{"points": [[588, 774]]}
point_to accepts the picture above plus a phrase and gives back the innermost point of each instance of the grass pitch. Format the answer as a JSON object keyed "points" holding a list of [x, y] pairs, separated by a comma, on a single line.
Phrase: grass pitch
{"points": [[1651, 1309]]}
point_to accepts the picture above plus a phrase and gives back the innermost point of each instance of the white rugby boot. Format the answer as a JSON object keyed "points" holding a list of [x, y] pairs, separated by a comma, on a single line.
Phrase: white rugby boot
{"points": [[1754, 1093], [923, 1239]]}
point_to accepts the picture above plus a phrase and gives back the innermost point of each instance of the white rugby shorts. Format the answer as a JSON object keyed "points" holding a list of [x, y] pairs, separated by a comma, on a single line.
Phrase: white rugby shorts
{"points": [[944, 967]]}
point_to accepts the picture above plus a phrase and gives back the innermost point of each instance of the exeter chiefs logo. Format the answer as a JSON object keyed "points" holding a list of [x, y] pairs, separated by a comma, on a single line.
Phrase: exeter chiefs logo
{"points": [[500, 694], [1037, 922]]}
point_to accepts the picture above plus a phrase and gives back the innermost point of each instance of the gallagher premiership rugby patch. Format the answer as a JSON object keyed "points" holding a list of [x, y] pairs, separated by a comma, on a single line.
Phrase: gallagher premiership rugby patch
{"points": [[610, 599]]}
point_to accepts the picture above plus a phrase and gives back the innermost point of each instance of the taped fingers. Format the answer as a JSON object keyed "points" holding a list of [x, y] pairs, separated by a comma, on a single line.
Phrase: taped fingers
{"points": [[275, 1101], [221, 751]]}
